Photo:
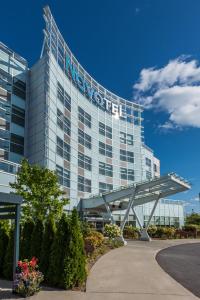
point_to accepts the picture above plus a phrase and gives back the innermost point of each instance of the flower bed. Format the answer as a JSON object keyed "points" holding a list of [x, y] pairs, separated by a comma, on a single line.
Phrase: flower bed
{"points": [[27, 278]]}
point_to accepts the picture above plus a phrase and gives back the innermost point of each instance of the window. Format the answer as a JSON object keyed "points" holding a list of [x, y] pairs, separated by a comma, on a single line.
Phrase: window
{"points": [[84, 161], [105, 149], [127, 174], [63, 122], [148, 162], [84, 117], [19, 88], [18, 115], [63, 176], [84, 139], [63, 149], [126, 138], [17, 144], [155, 168], [148, 175], [105, 187], [63, 96], [84, 184], [105, 169], [126, 156], [105, 130]]}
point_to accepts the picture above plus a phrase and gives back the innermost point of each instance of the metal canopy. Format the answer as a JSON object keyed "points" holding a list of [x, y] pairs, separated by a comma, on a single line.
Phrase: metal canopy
{"points": [[10, 206], [127, 197]]}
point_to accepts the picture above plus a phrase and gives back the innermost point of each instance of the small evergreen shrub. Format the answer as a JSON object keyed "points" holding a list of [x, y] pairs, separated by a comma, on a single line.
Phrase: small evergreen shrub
{"points": [[4, 239], [36, 239], [8, 261], [25, 242]]}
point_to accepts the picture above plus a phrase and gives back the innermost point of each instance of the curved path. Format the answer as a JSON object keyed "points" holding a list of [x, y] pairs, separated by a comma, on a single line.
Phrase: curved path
{"points": [[132, 272], [126, 273], [183, 264]]}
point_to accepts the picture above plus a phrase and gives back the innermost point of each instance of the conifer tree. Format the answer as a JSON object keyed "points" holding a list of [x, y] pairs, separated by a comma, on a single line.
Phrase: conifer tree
{"points": [[4, 238], [59, 246], [8, 261], [48, 238], [74, 272], [25, 244], [36, 239]]}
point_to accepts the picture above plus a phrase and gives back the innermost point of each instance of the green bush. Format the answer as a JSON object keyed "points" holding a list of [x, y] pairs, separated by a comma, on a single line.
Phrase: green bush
{"points": [[25, 242], [48, 237], [8, 262], [131, 232], [58, 250], [112, 231], [4, 239], [74, 272], [152, 230], [92, 241], [36, 239], [169, 232], [191, 227]]}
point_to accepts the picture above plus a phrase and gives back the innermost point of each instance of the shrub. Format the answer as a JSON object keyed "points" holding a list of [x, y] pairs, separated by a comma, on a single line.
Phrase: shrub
{"points": [[191, 227], [36, 239], [152, 230], [4, 238], [74, 272], [8, 262], [85, 228], [112, 231], [92, 241], [131, 232], [26, 234], [160, 232], [48, 237], [169, 232]]}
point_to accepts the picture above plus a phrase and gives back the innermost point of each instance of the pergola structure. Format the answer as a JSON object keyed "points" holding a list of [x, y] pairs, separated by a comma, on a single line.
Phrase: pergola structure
{"points": [[10, 206], [127, 197]]}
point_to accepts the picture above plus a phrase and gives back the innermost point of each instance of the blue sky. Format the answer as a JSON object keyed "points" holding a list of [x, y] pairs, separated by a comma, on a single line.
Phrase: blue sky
{"points": [[115, 40]]}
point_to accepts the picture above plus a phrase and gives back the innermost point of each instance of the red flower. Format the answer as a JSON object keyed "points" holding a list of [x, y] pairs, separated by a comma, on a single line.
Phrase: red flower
{"points": [[33, 262], [19, 263]]}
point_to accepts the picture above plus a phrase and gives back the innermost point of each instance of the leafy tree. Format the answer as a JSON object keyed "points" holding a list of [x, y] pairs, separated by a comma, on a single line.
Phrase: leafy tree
{"points": [[193, 218], [8, 262], [48, 238], [36, 239], [40, 190], [58, 250], [74, 272], [4, 238], [26, 234]]}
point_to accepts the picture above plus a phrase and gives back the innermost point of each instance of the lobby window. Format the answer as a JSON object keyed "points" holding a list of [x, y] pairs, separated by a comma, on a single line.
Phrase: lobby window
{"points": [[105, 169], [84, 117], [105, 130], [148, 175], [148, 162], [19, 88], [18, 115], [126, 138], [105, 149], [84, 184], [63, 176], [84, 161], [63, 122], [17, 144], [63, 149], [63, 96], [105, 187], [84, 139], [126, 156], [127, 174]]}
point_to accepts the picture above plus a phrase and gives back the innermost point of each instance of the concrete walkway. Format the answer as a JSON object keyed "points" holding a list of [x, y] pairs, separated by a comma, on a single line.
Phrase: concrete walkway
{"points": [[127, 273]]}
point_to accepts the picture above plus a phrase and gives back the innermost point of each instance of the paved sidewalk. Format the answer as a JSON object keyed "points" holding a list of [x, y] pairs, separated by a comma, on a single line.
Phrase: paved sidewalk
{"points": [[127, 273]]}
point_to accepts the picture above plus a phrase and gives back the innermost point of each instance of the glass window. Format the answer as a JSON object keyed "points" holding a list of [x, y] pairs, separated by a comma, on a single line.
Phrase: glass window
{"points": [[127, 174], [63, 122], [84, 184], [63, 149], [148, 175], [126, 156], [105, 169], [148, 162], [19, 88], [63, 176], [105, 130], [84, 117], [63, 96], [17, 144], [84, 161], [126, 138], [84, 139], [105, 149], [105, 187], [18, 115]]}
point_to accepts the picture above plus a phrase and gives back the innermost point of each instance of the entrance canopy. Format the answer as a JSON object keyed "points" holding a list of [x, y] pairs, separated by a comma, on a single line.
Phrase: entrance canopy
{"points": [[127, 197], [10, 205]]}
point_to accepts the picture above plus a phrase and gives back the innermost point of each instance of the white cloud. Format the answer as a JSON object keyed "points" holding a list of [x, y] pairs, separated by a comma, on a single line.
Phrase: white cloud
{"points": [[174, 89]]}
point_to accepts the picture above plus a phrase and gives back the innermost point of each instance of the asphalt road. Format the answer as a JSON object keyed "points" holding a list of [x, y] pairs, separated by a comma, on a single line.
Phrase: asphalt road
{"points": [[182, 262]]}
